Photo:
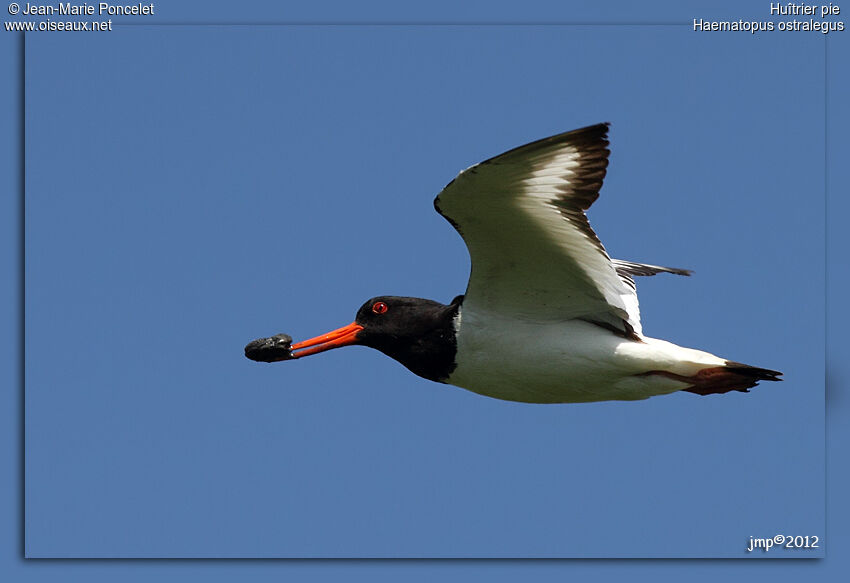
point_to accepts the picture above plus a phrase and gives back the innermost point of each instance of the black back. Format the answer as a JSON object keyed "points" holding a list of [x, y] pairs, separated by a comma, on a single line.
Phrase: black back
{"points": [[418, 333]]}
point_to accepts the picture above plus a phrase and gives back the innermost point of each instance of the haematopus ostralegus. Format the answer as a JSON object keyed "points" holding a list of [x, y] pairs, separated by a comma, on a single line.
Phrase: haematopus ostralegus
{"points": [[548, 316]]}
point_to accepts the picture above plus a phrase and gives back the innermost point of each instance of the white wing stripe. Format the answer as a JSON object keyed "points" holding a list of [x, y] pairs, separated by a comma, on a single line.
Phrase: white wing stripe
{"points": [[533, 252]]}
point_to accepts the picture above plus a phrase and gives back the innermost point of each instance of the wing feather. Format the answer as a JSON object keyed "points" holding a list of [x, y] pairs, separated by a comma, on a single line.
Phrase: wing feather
{"points": [[534, 253]]}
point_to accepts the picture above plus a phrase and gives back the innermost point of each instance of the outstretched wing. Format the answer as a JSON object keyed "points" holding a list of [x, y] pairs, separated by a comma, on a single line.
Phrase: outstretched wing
{"points": [[534, 254]]}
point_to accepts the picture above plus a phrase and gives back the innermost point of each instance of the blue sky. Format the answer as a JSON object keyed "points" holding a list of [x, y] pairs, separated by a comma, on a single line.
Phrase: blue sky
{"points": [[190, 189]]}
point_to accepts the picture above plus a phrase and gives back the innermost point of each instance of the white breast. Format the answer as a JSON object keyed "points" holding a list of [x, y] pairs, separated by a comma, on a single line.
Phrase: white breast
{"points": [[564, 362]]}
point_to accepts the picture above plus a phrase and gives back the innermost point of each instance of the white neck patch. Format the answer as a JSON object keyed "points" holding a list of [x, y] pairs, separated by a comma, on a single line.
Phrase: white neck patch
{"points": [[456, 320]]}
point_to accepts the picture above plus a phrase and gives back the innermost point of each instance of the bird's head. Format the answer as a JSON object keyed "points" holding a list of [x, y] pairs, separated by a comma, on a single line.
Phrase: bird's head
{"points": [[418, 333]]}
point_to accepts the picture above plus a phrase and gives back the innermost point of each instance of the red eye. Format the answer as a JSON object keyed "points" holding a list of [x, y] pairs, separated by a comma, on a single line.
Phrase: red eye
{"points": [[379, 307]]}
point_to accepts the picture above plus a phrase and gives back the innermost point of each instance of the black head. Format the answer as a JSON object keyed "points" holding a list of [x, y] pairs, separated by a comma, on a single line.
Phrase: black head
{"points": [[418, 333]]}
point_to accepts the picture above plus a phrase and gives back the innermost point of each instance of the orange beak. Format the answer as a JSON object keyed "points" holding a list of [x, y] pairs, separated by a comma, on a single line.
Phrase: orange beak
{"points": [[339, 337]]}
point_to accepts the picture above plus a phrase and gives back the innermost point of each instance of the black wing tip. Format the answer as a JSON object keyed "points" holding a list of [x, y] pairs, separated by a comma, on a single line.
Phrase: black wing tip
{"points": [[593, 139], [598, 131], [593, 143], [587, 135], [646, 269], [597, 128]]}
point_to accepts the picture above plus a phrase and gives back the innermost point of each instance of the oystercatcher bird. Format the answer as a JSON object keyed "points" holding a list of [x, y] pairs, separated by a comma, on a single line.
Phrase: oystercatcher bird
{"points": [[548, 316]]}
